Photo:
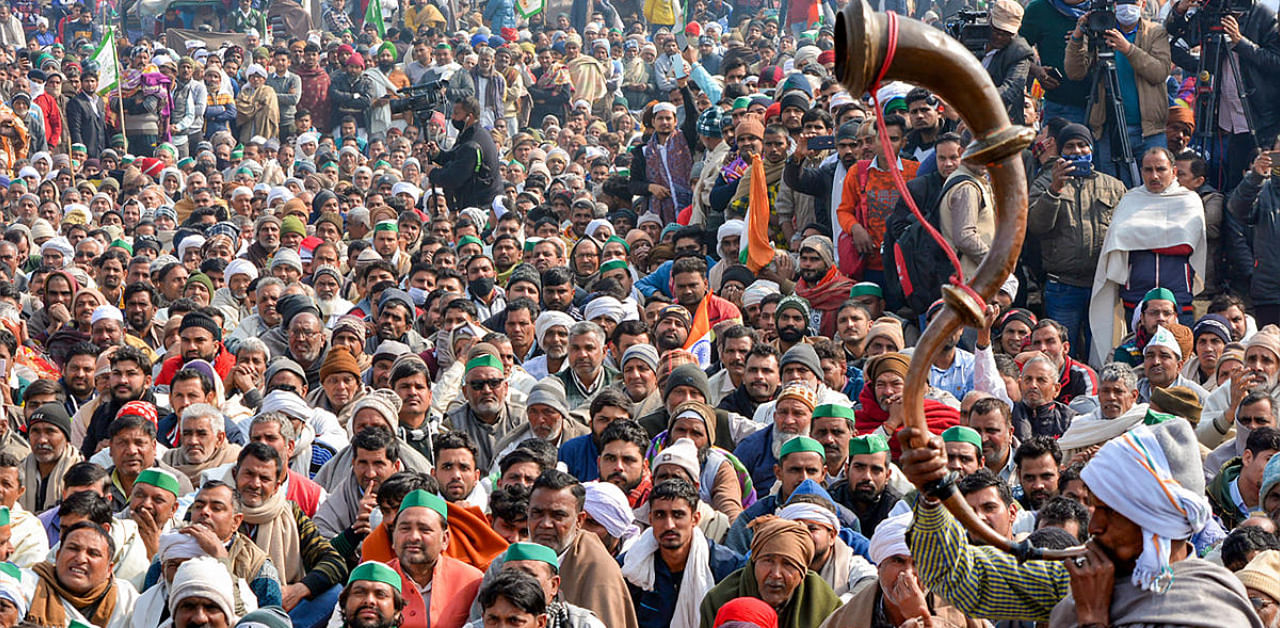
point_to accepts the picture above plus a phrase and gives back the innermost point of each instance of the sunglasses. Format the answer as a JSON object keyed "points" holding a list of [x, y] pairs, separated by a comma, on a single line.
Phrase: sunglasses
{"points": [[481, 384]]}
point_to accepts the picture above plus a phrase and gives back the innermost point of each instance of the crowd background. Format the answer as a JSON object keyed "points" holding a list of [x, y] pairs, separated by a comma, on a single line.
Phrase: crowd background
{"points": [[599, 313]]}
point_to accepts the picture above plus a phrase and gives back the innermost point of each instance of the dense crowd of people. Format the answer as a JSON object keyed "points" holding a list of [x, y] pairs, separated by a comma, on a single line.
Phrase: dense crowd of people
{"points": [[480, 314]]}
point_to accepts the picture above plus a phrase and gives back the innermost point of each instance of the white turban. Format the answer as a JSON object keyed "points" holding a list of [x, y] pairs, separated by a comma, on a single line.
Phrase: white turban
{"points": [[206, 578], [240, 266], [194, 241], [255, 69], [890, 538], [177, 545], [61, 245], [549, 319], [595, 225], [807, 511], [757, 291], [1149, 496], [608, 505], [106, 313], [730, 228], [664, 106], [288, 403], [605, 306], [279, 194]]}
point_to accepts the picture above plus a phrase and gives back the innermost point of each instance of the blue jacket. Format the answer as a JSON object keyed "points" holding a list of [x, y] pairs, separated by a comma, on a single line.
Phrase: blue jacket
{"points": [[739, 537], [580, 455], [660, 279], [655, 608], [500, 14], [756, 454]]}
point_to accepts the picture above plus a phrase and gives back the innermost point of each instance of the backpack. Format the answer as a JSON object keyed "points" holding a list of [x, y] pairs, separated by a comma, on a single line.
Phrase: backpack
{"points": [[922, 265]]}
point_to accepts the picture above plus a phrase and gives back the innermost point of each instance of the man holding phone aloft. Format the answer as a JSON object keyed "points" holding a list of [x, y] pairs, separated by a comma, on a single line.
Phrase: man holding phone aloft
{"points": [[1254, 203], [1069, 210]]}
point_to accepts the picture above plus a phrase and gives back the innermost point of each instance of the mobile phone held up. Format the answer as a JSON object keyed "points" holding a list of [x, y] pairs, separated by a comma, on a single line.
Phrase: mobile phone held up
{"points": [[822, 142], [1079, 165]]}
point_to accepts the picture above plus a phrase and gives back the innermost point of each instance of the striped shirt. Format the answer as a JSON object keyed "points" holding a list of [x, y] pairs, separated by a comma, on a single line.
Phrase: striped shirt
{"points": [[982, 582]]}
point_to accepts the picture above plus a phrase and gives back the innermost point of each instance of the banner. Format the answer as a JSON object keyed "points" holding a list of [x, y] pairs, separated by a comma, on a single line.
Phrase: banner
{"points": [[373, 15], [699, 340], [530, 8], [757, 251]]}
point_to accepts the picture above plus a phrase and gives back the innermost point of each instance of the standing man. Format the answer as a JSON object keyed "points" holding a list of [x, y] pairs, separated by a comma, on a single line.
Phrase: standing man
{"points": [[288, 89], [86, 113], [469, 171]]}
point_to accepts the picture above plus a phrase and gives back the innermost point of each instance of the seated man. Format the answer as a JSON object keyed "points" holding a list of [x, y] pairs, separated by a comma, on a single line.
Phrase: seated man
{"points": [[79, 581], [129, 561], [276, 430], [1162, 361], [201, 595], [153, 506], [204, 443], [373, 591], [777, 573], [420, 534], [540, 562], [312, 570], [833, 559], [865, 489], [216, 515], [344, 517], [132, 442], [680, 461]]}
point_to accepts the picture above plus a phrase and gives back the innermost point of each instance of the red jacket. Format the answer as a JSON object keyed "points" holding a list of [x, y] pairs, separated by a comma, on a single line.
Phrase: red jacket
{"points": [[221, 364], [938, 417], [454, 585], [304, 492]]}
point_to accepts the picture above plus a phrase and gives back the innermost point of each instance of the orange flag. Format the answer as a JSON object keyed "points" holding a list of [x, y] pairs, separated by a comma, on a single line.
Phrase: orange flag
{"points": [[757, 252]]}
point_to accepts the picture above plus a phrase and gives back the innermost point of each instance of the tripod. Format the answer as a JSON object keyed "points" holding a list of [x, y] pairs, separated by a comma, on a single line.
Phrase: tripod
{"points": [[1209, 91], [1121, 150]]}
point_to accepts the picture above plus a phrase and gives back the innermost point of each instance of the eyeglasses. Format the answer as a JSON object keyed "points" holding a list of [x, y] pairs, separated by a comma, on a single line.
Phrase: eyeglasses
{"points": [[1260, 603], [481, 384]]}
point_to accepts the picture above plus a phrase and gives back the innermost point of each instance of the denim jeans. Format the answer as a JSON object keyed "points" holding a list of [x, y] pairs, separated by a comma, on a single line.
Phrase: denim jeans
{"points": [[1137, 143], [1053, 110], [1069, 305], [315, 613]]}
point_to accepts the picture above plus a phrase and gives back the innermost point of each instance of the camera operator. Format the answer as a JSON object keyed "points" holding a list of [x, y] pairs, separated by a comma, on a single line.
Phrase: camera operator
{"points": [[468, 172], [1046, 26], [1255, 43], [1008, 58], [1142, 66]]}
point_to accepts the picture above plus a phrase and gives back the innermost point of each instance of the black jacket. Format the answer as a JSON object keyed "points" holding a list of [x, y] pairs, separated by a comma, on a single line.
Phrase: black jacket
{"points": [[469, 171], [350, 95], [869, 516], [1050, 420], [87, 126], [740, 402], [815, 182], [1256, 202], [1009, 70], [1259, 52]]}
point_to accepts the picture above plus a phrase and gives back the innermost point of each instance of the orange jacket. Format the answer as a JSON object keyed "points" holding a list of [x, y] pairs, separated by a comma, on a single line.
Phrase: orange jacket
{"points": [[454, 585], [882, 195]]}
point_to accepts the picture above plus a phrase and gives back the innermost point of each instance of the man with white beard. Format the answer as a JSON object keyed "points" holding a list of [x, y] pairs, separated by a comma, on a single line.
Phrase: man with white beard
{"points": [[1261, 366], [231, 297], [551, 330], [327, 282]]}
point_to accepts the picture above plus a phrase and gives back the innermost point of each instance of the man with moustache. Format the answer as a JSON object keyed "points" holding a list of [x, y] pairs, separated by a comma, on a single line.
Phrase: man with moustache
{"points": [[734, 345], [132, 445], [1261, 373], [456, 471], [129, 380], [760, 381], [312, 569], [153, 502], [865, 489], [372, 598], [443, 587], [671, 329], [49, 431], [204, 444]]}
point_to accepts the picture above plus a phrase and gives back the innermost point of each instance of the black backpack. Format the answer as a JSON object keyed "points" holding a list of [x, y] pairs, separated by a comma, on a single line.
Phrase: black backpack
{"points": [[922, 266]]}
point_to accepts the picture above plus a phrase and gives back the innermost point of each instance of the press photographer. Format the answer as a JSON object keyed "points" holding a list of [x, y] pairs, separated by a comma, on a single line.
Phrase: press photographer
{"points": [[1142, 64], [1008, 57], [1253, 46], [468, 172]]}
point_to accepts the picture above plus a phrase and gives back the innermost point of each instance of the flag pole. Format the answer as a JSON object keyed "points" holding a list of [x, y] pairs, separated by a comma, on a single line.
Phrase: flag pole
{"points": [[115, 56]]}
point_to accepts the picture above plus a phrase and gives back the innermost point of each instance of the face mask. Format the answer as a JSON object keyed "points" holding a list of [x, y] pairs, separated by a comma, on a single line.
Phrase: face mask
{"points": [[1128, 14], [418, 295], [459, 124], [481, 287]]}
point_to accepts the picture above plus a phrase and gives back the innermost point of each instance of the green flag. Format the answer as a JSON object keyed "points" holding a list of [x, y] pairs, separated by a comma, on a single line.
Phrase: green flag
{"points": [[373, 15], [108, 64]]}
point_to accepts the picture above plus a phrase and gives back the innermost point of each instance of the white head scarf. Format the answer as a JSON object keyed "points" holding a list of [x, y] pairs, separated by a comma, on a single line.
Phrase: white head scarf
{"points": [[890, 538], [1150, 497], [549, 319], [608, 505]]}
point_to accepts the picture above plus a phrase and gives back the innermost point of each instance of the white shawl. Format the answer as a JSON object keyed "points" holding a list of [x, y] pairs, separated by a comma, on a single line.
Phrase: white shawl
{"points": [[1142, 221], [637, 568]]}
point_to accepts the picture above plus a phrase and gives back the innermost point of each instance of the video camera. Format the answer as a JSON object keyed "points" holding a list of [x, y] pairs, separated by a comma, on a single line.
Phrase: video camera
{"points": [[1101, 18], [972, 29], [422, 100], [1214, 10]]}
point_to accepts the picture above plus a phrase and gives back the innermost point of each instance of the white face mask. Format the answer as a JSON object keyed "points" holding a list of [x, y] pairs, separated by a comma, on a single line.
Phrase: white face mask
{"points": [[1128, 14]]}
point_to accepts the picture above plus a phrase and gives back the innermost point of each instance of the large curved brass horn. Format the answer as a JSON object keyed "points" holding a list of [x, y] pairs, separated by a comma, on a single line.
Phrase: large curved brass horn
{"points": [[929, 58]]}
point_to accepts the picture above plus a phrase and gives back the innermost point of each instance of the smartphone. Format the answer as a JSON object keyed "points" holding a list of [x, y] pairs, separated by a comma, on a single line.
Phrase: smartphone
{"points": [[1080, 165], [678, 68], [1054, 73], [822, 142]]}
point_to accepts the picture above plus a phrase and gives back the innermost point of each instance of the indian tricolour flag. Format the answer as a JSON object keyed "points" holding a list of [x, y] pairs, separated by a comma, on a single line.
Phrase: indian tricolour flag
{"points": [[757, 251], [699, 342]]}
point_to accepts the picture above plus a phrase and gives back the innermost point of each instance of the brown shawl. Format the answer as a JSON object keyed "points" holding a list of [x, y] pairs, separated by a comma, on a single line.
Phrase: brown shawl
{"points": [[52, 487], [257, 112], [97, 604], [597, 584], [772, 176], [175, 459]]}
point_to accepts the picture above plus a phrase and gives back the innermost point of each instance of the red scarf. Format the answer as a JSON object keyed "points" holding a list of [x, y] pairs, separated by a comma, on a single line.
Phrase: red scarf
{"points": [[938, 417], [825, 298], [640, 494]]}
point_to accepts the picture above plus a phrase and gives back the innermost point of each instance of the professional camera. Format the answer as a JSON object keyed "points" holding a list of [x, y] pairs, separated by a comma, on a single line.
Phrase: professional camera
{"points": [[422, 99], [1102, 18], [1215, 10], [971, 28]]}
